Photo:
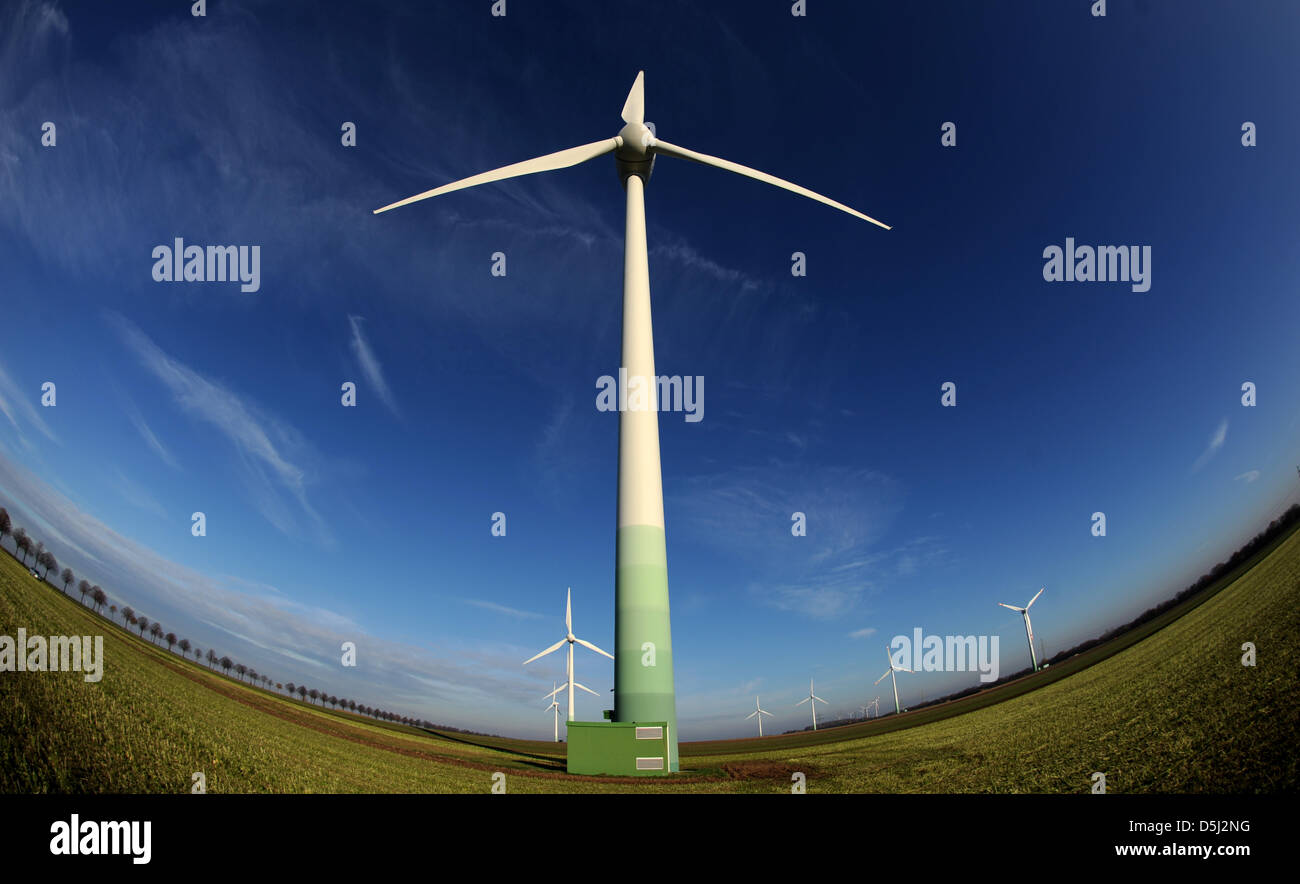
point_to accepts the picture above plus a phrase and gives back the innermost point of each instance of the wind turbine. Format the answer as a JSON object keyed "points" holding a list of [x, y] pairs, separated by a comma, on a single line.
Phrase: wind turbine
{"points": [[641, 616], [555, 704], [1029, 628], [814, 699], [892, 677], [759, 711], [570, 639]]}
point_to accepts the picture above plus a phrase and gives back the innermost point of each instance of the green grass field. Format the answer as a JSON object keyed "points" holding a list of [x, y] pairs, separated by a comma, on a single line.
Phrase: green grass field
{"points": [[1167, 708]]}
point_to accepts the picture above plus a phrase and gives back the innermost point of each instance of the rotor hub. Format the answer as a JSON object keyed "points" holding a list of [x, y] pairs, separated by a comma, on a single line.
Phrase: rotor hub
{"points": [[635, 153]]}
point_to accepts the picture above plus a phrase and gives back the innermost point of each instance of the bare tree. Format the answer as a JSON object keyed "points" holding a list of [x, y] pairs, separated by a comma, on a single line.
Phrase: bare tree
{"points": [[290, 688], [67, 577], [142, 622], [6, 524], [315, 694], [51, 564], [212, 658], [185, 647], [226, 663], [156, 631], [99, 596], [240, 669], [22, 544], [171, 640], [128, 614], [84, 586], [302, 691]]}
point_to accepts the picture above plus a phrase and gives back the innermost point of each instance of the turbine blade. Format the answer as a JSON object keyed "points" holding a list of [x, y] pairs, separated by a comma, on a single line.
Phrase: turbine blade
{"points": [[882, 678], [554, 692], [804, 700], [750, 715], [682, 153], [1034, 599], [634, 107], [587, 644], [819, 699], [554, 647], [585, 688], [903, 669], [568, 610], [1012, 607], [558, 160]]}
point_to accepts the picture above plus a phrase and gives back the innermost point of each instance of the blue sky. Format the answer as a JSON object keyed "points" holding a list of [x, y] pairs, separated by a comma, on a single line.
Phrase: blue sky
{"points": [[477, 393]]}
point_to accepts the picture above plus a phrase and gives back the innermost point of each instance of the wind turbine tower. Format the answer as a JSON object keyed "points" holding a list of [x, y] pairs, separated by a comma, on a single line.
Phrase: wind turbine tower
{"points": [[643, 692], [570, 639], [814, 700], [758, 713], [894, 678], [1029, 627]]}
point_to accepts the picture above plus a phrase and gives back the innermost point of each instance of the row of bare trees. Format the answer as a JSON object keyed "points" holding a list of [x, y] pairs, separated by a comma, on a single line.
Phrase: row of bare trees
{"points": [[24, 546]]}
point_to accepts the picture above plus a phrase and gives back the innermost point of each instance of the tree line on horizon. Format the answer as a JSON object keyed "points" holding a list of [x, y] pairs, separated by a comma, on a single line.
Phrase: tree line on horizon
{"points": [[25, 546]]}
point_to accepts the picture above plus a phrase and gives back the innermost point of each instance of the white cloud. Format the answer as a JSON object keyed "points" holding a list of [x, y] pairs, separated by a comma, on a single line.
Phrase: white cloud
{"points": [[1216, 442], [863, 633], [147, 433], [14, 400], [1248, 476], [370, 367], [261, 442], [503, 609], [136, 495]]}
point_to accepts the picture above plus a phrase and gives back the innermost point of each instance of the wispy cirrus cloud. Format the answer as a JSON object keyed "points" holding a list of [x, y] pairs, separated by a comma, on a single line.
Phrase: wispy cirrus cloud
{"points": [[150, 438], [748, 512], [1247, 477], [136, 495], [863, 633], [14, 403], [261, 443], [504, 609], [1216, 442], [369, 363]]}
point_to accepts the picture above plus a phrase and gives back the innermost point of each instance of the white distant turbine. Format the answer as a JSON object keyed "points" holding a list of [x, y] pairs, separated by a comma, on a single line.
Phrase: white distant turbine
{"points": [[1029, 627], [570, 639], [758, 712], [555, 704], [890, 672], [814, 700], [641, 693]]}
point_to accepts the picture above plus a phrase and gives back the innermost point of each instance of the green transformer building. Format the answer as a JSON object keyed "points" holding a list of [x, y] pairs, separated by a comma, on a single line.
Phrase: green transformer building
{"points": [[619, 748]]}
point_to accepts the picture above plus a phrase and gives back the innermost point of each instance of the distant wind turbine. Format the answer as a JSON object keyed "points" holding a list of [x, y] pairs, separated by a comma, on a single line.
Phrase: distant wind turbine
{"points": [[890, 672], [814, 700], [758, 712], [555, 704], [641, 693], [1029, 627], [570, 639]]}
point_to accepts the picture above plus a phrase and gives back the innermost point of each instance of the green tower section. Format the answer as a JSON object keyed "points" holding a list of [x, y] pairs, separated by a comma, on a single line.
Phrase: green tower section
{"points": [[643, 643]]}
